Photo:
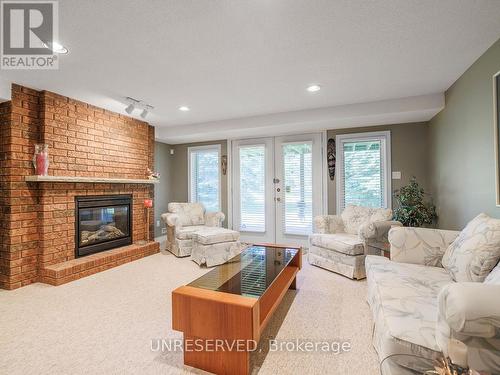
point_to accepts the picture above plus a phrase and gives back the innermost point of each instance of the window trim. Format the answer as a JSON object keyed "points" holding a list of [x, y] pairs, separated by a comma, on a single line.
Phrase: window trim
{"points": [[216, 147], [385, 138]]}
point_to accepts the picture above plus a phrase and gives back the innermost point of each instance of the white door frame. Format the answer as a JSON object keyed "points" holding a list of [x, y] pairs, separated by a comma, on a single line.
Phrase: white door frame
{"points": [[317, 183], [269, 233], [231, 165], [229, 183]]}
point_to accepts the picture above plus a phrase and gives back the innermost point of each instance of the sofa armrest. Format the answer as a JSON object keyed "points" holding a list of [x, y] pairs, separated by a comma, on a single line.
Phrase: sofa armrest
{"points": [[328, 224], [171, 220], [468, 310], [377, 231], [420, 245], [214, 219]]}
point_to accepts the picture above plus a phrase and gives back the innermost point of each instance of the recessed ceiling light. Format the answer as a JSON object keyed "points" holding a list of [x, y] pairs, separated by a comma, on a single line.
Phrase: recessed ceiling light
{"points": [[57, 48], [183, 108], [313, 88]]}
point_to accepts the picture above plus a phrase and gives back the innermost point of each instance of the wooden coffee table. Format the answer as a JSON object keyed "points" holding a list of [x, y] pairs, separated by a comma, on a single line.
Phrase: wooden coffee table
{"points": [[224, 312]]}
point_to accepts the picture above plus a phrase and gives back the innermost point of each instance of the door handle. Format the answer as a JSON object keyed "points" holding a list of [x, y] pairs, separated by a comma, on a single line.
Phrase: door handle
{"points": [[278, 199]]}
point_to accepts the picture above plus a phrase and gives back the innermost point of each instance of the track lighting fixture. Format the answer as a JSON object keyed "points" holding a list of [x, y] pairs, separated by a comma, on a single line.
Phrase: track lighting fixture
{"points": [[137, 104], [146, 110], [130, 108]]}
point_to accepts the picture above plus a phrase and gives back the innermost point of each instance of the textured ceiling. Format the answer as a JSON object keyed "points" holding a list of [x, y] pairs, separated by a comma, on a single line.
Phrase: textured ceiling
{"points": [[233, 59]]}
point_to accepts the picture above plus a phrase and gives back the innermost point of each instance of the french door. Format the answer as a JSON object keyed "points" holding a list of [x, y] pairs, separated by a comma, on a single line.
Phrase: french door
{"points": [[277, 187]]}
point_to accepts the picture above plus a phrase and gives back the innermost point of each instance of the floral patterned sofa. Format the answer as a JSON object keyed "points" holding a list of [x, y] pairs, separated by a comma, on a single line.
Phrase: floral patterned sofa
{"points": [[438, 285], [340, 243]]}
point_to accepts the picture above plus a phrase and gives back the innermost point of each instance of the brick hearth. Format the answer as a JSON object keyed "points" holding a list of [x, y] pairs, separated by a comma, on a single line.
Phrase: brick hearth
{"points": [[71, 270], [37, 220]]}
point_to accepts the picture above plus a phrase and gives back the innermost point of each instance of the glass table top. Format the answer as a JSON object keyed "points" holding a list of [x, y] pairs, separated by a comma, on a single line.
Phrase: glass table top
{"points": [[248, 274]]}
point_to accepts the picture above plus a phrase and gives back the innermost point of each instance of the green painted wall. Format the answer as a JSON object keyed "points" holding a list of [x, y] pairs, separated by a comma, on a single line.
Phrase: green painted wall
{"points": [[461, 154], [163, 164]]}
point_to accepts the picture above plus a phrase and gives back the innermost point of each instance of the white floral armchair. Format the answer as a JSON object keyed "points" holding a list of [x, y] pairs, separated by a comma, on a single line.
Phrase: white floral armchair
{"points": [[340, 243], [183, 220]]}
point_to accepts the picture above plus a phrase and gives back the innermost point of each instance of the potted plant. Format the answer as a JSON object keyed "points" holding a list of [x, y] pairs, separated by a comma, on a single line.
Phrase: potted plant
{"points": [[411, 209]]}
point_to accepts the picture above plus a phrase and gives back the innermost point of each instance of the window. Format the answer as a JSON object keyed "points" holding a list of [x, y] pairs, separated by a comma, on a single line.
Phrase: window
{"points": [[204, 176], [364, 170]]}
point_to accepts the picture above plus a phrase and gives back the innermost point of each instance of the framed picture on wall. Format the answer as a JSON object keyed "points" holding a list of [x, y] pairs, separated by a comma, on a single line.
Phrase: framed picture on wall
{"points": [[496, 107]]}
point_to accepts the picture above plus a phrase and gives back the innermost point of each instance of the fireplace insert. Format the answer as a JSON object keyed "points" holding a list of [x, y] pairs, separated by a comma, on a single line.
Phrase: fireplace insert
{"points": [[102, 223]]}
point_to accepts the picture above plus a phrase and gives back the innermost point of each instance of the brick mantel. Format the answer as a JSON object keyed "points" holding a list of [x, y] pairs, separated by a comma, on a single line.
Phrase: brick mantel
{"points": [[37, 217]]}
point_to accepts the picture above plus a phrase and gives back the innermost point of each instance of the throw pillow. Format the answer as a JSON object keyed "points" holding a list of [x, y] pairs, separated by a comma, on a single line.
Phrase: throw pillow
{"points": [[355, 216], [475, 251]]}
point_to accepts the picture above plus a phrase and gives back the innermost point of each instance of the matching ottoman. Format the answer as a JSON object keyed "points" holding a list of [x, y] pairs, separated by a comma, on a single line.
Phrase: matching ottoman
{"points": [[213, 246]]}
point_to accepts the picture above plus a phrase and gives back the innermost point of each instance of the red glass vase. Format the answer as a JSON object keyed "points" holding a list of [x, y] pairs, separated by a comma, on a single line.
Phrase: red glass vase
{"points": [[41, 159]]}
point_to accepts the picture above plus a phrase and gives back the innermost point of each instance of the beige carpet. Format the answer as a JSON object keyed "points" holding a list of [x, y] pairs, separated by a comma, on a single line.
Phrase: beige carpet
{"points": [[104, 324]]}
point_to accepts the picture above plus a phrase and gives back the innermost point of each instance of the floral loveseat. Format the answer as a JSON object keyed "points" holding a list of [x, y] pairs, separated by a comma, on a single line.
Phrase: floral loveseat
{"points": [[340, 243], [438, 286]]}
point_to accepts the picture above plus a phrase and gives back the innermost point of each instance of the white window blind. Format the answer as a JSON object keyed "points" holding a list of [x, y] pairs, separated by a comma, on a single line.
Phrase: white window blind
{"points": [[297, 181], [252, 188], [363, 163], [204, 176]]}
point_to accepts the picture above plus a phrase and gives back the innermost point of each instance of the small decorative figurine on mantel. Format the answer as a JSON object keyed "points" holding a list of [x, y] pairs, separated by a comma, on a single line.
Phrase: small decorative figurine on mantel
{"points": [[153, 175]]}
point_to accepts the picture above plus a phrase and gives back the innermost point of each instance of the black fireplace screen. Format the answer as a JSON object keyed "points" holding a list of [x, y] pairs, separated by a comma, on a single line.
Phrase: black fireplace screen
{"points": [[102, 223]]}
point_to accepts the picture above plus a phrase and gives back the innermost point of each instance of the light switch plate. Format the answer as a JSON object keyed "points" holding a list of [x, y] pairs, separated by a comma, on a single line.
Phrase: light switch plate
{"points": [[396, 175]]}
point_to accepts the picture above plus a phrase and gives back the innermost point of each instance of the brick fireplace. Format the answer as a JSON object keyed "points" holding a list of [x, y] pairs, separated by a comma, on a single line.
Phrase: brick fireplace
{"points": [[37, 218]]}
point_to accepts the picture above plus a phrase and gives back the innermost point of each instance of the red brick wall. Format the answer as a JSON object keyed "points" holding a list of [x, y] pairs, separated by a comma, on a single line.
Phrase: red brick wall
{"points": [[93, 142], [5, 164], [37, 219], [19, 247]]}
